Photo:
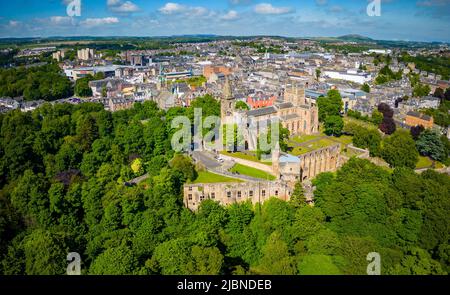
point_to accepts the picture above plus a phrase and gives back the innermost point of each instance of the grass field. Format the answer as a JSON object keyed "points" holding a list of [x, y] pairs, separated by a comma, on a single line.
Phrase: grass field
{"points": [[424, 162], [244, 156], [252, 172], [324, 142], [305, 138], [208, 177], [360, 123]]}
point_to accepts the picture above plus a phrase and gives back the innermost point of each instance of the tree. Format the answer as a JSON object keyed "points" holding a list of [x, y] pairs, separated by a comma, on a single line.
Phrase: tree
{"points": [[399, 150], [429, 144], [240, 105], [387, 125], [114, 261], [367, 138], [416, 131], [45, 253], [417, 262], [318, 264], [334, 125], [276, 259], [365, 88], [318, 72], [82, 88], [330, 105], [439, 92], [377, 117], [298, 196]]}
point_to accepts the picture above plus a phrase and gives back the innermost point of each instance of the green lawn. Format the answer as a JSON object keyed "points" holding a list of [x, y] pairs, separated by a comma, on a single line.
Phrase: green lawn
{"points": [[252, 172], [245, 156], [424, 162], [208, 177], [324, 142], [360, 123], [305, 138], [344, 139]]}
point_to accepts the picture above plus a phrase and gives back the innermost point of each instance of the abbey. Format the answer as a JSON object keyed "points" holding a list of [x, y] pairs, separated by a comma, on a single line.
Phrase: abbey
{"points": [[295, 113]]}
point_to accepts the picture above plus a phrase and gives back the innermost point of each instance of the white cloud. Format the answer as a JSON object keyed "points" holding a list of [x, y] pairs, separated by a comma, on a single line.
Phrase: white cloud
{"points": [[189, 11], [91, 22], [230, 15], [60, 20], [122, 7], [266, 8], [172, 8], [14, 23], [113, 2]]}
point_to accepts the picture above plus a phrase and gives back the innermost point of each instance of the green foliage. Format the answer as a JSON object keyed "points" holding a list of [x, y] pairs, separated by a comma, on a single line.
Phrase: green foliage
{"points": [[429, 144], [399, 150], [333, 125], [34, 83], [62, 190], [240, 105], [367, 139], [330, 105], [365, 88]]}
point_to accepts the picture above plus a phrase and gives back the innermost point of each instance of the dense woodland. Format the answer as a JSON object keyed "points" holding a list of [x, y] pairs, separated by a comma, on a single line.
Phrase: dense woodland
{"points": [[45, 82], [63, 170]]}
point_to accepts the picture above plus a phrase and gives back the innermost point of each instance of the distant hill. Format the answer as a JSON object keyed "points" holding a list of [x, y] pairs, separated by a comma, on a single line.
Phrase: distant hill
{"points": [[355, 38]]}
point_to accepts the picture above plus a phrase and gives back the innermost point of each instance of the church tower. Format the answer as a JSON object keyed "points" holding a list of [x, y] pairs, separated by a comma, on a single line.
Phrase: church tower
{"points": [[227, 102]]}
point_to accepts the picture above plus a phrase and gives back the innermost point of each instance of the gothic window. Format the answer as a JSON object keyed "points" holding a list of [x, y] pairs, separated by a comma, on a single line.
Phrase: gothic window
{"points": [[239, 194], [213, 195], [190, 197], [229, 194]]}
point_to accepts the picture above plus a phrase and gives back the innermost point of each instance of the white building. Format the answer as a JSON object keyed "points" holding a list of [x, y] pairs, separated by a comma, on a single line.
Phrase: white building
{"points": [[351, 75]]}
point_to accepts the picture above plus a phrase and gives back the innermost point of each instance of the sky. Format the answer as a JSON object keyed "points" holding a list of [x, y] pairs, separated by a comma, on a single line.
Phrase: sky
{"points": [[409, 20]]}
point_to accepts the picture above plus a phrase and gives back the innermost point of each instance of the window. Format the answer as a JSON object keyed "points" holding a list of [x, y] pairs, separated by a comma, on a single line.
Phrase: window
{"points": [[250, 193], [190, 188], [229, 194], [202, 197], [276, 193], [263, 193], [190, 197], [239, 194], [213, 195]]}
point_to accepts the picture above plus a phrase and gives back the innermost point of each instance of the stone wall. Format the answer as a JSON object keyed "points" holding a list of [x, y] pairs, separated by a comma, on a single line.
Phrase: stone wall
{"points": [[234, 192]]}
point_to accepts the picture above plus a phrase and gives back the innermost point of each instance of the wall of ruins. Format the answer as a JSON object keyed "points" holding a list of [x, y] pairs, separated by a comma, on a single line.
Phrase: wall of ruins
{"points": [[230, 193]]}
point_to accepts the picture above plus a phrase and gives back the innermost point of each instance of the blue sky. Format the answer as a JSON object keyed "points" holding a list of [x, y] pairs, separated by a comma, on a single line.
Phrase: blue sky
{"points": [[419, 20]]}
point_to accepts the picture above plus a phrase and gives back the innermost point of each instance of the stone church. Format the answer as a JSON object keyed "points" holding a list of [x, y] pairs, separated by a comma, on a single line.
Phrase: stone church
{"points": [[293, 111]]}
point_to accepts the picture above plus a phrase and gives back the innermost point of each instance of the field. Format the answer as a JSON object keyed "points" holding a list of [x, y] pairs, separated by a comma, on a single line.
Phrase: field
{"points": [[208, 177], [252, 172]]}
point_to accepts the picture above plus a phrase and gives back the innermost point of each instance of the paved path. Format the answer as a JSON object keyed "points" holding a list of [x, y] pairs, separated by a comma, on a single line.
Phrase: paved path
{"points": [[206, 158]]}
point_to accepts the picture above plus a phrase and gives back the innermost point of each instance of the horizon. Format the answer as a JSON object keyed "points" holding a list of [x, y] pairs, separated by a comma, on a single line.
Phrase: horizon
{"points": [[399, 20], [222, 36]]}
